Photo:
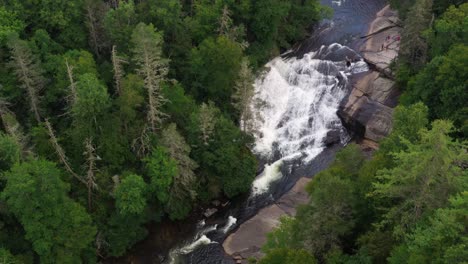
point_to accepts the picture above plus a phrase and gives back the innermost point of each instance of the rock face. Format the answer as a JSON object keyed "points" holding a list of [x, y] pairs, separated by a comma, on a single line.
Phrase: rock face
{"points": [[369, 107], [251, 235]]}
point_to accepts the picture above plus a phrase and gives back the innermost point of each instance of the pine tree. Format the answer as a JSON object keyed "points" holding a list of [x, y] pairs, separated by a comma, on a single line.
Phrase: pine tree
{"points": [[183, 187], [413, 44]]}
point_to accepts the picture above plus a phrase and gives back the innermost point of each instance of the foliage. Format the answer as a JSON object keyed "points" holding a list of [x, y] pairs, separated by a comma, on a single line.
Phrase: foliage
{"points": [[182, 190], [140, 101], [442, 85], [60, 234], [441, 240], [9, 23], [9, 152], [130, 195], [279, 256], [214, 67], [449, 29], [161, 170]]}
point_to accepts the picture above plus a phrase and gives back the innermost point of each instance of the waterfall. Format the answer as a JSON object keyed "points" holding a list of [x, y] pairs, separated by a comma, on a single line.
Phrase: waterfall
{"points": [[270, 174], [295, 105]]}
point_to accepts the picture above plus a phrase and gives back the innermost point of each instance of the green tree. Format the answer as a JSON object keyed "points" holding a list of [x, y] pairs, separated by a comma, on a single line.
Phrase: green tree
{"points": [[449, 29], [7, 258], [10, 152], [58, 228], [161, 170], [183, 186], [283, 236], [119, 23], [9, 23], [91, 105], [179, 105], [130, 195], [214, 69], [426, 168], [442, 240], [123, 231], [290, 256], [67, 70], [441, 85], [413, 49]]}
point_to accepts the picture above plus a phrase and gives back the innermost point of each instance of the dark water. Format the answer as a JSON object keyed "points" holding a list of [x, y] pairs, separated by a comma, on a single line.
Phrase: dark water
{"points": [[350, 21]]}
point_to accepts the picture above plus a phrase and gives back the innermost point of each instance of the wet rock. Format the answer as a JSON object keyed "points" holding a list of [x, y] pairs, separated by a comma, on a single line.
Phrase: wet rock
{"points": [[368, 109], [333, 137], [380, 124], [251, 235], [209, 212]]}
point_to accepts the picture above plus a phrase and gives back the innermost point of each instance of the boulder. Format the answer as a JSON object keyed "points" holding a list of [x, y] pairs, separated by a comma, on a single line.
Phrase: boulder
{"points": [[209, 212]]}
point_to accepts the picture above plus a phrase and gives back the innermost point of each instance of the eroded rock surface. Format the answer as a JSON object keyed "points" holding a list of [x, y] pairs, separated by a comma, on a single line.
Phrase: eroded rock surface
{"points": [[369, 107], [251, 235]]}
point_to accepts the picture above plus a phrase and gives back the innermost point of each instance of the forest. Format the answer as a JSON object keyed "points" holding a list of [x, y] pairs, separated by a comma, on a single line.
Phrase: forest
{"points": [[409, 202], [115, 114]]}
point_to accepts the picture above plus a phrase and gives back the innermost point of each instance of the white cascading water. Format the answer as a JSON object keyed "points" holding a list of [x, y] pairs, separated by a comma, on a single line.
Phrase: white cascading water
{"points": [[295, 105], [230, 223], [200, 239]]}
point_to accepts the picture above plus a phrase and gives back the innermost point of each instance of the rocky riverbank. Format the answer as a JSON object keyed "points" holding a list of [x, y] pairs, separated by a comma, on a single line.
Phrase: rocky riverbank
{"points": [[367, 111], [251, 235], [369, 107]]}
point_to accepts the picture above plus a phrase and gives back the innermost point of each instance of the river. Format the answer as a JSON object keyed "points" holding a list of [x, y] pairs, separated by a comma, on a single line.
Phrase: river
{"points": [[296, 127]]}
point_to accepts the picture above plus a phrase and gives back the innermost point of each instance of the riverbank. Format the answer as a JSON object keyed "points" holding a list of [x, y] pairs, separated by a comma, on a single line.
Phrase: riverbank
{"points": [[251, 235], [368, 109]]}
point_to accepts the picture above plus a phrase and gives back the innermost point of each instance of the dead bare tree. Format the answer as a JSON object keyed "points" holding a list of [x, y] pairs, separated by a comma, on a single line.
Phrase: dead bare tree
{"points": [[91, 158], [13, 128], [73, 95], [60, 152], [27, 71], [153, 68], [117, 62]]}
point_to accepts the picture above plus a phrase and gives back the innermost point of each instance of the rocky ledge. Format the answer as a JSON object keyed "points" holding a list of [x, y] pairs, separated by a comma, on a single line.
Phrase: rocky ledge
{"points": [[368, 109], [251, 235]]}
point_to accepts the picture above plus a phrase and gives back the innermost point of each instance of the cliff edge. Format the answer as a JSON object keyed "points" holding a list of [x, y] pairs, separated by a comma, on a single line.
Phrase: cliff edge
{"points": [[368, 108]]}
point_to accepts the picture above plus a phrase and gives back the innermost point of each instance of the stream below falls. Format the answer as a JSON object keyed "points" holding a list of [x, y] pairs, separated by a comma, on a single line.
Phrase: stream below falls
{"points": [[296, 127]]}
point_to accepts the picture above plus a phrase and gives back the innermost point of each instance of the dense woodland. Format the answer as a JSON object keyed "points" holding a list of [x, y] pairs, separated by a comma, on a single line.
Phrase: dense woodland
{"points": [[116, 113], [409, 202]]}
